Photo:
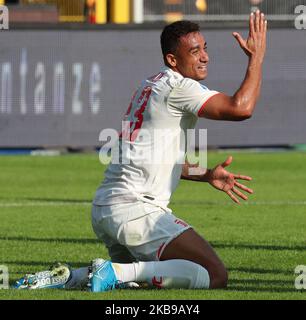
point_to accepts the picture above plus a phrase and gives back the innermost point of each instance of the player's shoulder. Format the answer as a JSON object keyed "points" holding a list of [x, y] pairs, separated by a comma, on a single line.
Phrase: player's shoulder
{"points": [[168, 79], [188, 83], [176, 80], [190, 87], [165, 78]]}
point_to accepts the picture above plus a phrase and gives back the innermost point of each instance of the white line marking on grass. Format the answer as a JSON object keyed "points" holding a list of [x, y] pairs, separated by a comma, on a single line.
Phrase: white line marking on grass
{"points": [[89, 203], [276, 203], [43, 204], [251, 203]]}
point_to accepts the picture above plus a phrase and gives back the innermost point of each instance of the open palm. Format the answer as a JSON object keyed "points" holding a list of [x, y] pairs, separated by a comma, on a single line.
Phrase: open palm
{"points": [[226, 181]]}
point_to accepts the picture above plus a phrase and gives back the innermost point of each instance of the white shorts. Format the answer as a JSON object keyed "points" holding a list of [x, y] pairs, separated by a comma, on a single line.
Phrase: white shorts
{"points": [[135, 231]]}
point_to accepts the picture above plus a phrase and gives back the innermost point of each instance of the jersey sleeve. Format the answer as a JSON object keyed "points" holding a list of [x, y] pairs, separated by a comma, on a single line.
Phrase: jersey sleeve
{"points": [[190, 96]]}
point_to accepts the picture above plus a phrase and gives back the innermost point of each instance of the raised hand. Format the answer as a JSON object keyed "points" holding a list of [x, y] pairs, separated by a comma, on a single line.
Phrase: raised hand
{"points": [[226, 181], [255, 44]]}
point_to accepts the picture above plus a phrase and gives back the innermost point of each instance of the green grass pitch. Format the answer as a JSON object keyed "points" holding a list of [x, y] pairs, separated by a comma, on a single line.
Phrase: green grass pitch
{"points": [[45, 217]]}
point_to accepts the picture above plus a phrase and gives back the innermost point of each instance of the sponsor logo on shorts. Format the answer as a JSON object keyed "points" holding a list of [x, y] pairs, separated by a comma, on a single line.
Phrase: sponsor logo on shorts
{"points": [[181, 222]]}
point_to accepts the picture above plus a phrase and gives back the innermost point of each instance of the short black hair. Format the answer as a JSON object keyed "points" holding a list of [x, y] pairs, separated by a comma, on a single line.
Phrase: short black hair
{"points": [[170, 36]]}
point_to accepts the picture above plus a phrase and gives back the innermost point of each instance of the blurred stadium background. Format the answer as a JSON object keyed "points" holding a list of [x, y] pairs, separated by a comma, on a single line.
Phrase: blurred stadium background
{"points": [[68, 67], [67, 71]]}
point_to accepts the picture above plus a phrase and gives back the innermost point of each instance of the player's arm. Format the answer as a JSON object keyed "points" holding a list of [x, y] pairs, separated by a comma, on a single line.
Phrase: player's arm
{"points": [[194, 172], [241, 105], [219, 178]]}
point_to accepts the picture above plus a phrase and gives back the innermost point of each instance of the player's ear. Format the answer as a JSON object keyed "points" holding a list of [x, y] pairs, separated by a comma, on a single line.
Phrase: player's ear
{"points": [[171, 59]]}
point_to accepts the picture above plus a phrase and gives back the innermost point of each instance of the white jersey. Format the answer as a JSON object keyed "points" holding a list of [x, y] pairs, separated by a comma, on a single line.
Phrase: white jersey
{"points": [[153, 152]]}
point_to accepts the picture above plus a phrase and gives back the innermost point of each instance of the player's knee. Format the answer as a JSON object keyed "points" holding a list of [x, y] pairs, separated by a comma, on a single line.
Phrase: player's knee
{"points": [[219, 279]]}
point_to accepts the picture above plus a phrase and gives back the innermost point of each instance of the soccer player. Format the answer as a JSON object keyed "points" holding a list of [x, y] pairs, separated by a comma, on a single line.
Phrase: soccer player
{"points": [[147, 243]]}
